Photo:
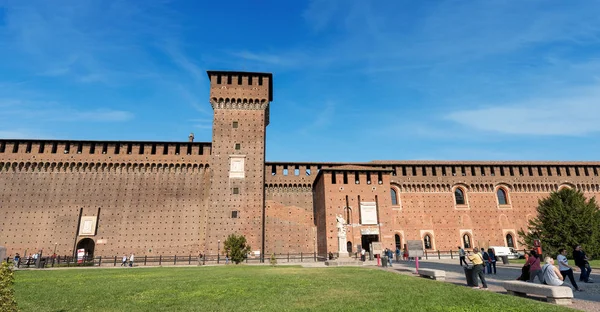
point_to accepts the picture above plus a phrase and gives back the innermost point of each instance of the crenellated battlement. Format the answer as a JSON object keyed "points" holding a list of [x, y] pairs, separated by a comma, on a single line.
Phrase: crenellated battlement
{"points": [[112, 151]]}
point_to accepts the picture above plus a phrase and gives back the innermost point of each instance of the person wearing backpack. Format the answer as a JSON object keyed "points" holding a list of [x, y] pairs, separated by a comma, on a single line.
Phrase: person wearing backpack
{"points": [[492, 261], [486, 262]]}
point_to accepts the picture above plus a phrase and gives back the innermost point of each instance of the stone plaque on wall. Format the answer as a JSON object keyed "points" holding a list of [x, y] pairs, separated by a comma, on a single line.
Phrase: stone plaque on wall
{"points": [[368, 213], [236, 168], [88, 226]]}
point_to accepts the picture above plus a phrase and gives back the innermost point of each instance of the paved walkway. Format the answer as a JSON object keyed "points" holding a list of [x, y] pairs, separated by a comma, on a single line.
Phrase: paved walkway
{"points": [[587, 300]]}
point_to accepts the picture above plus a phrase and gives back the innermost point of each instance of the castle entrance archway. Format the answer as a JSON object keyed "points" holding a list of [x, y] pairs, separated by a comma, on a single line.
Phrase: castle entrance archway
{"points": [[367, 239], [88, 245]]}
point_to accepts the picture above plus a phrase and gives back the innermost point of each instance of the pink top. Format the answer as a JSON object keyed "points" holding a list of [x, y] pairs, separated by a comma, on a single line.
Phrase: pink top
{"points": [[534, 263]]}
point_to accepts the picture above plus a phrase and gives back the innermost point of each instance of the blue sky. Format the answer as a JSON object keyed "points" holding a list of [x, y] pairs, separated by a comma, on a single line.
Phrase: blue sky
{"points": [[353, 80]]}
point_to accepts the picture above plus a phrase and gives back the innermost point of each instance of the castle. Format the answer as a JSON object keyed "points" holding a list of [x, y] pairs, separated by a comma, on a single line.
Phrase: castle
{"points": [[166, 198]]}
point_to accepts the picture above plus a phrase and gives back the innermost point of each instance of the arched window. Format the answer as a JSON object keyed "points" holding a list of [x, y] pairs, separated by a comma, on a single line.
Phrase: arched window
{"points": [[509, 241], [398, 241], [467, 241], [349, 246], [502, 197], [427, 241], [394, 197], [459, 196]]}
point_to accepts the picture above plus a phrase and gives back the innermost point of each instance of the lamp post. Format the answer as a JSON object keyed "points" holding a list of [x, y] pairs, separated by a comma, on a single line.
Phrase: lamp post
{"points": [[218, 250]]}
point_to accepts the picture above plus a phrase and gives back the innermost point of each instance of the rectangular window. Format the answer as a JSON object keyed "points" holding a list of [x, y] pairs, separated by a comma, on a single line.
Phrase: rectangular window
{"points": [[104, 148], [249, 80], [568, 171], [285, 170], [596, 171], [234, 214], [424, 171], [463, 171], [228, 79], [368, 178], [333, 177], [585, 171], [141, 152], [345, 177], [117, 148], [307, 170], [177, 149], [558, 171], [189, 149], [492, 171], [540, 172], [129, 148], [511, 171], [153, 149], [521, 171], [404, 170], [15, 147], [28, 148], [79, 148], [501, 171], [260, 78], [379, 179], [530, 169], [238, 146], [482, 169], [2, 147], [297, 171], [236, 190], [433, 171], [414, 171], [67, 148], [218, 79], [549, 171], [166, 149], [444, 171], [200, 150], [92, 148], [473, 173], [453, 171], [394, 171], [235, 124], [273, 170], [41, 150], [576, 171]]}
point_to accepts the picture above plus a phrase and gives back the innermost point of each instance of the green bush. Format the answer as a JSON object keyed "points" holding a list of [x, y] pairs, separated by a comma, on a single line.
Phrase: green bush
{"points": [[7, 294], [235, 246]]}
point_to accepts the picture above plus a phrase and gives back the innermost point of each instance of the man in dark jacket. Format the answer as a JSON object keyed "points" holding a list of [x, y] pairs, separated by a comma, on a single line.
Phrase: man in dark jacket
{"points": [[581, 261]]}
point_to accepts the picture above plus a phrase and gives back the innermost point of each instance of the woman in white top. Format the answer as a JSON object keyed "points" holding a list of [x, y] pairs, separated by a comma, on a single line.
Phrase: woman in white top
{"points": [[551, 274]]}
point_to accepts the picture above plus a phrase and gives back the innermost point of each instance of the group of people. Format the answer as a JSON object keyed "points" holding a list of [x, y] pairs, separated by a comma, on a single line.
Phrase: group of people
{"points": [[488, 259], [125, 261], [552, 275]]}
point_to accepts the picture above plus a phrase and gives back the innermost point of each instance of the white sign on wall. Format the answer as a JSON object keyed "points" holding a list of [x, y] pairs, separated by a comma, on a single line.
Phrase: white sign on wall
{"points": [[236, 168], [88, 225], [368, 213]]}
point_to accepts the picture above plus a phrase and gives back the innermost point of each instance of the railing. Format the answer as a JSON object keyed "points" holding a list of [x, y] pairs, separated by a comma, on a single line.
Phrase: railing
{"points": [[452, 254], [163, 260]]}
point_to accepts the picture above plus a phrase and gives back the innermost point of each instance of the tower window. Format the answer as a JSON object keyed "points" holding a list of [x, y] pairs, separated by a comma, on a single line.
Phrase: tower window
{"points": [[427, 241], [235, 124], [129, 148], [459, 196], [141, 149], [394, 195], [165, 149], [238, 146], [234, 214], [67, 148], [260, 79], [236, 190], [117, 148], [345, 177], [28, 148], [501, 196], [41, 150], [92, 148], [79, 148], [104, 148], [3, 147], [153, 149]]}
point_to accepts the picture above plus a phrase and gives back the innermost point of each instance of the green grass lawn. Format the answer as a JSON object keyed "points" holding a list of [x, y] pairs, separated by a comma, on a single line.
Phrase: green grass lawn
{"points": [[251, 288]]}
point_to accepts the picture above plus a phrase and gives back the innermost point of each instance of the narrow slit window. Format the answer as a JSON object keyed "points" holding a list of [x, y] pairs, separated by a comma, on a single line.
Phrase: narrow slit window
{"points": [[28, 148], [577, 171], [153, 149], [166, 149], [549, 171], [260, 80], [16, 147], [273, 170], [236, 190], [558, 173], [394, 195], [239, 79], [434, 171], [42, 146], [379, 178], [540, 172], [200, 150], [228, 79], [104, 148], [444, 171], [501, 171], [92, 148], [368, 178], [586, 171], [356, 178], [414, 171], [308, 170], [177, 149], [463, 171], [129, 148], [117, 148], [285, 170], [404, 170], [394, 171], [218, 79], [473, 171], [492, 171], [67, 148], [249, 80], [453, 171], [297, 171], [238, 146], [3, 147], [511, 171], [189, 149], [333, 174], [530, 169], [235, 124], [520, 171], [596, 171], [234, 214], [482, 169], [345, 177], [79, 148], [568, 171], [141, 151]]}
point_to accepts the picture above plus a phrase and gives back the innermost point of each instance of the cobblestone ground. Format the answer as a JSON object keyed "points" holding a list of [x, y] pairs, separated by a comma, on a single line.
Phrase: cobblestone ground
{"points": [[587, 300]]}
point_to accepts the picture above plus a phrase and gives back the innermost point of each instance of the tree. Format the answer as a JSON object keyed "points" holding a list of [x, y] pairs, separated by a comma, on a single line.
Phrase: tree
{"points": [[235, 246], [565, 219], [7, 294]]}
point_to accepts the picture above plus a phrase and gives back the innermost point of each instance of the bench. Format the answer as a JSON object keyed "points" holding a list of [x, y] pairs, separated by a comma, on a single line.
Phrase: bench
{"points": [[562, 295], [438, 275]]}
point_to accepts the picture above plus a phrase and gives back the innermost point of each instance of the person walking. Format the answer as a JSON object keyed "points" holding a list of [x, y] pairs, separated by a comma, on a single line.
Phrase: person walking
{"points": [[461, 256], [564, 267], [535, 268], [581, 260], [492, 257], [16, 260], [486, 262], [477, 259], [131, 258], [124, 261]]}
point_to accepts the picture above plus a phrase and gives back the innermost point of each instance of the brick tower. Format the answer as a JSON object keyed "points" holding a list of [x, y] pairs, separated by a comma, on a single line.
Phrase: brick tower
{"points": [[240, 101]]}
